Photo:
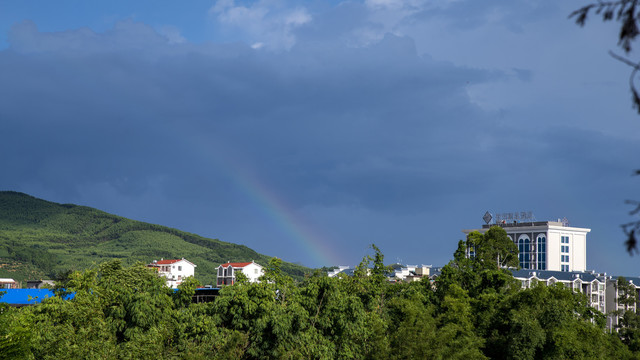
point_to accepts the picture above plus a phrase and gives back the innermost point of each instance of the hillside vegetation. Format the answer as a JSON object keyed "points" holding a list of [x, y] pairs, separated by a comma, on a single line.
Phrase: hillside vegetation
{"points": [[40, 239]]}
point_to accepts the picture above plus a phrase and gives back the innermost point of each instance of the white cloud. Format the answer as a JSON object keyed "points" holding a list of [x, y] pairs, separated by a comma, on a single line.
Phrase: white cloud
{"points": [[172, 34], [269, 23], [393, 4], [297, 17], [221, 6]]}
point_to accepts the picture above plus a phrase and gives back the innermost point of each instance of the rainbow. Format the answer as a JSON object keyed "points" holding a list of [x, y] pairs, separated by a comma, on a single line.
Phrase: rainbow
{"points": [[286, 220], [270, 204]]}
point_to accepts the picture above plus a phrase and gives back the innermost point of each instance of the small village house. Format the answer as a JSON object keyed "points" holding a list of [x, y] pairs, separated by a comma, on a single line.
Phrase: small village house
{"points": [[40, 284], [6, 283], [175, 271], [227, 272]]}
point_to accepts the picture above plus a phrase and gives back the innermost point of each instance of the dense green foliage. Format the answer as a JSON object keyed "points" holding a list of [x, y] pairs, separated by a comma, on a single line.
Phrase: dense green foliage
{"points": [[473, 311], [40, 239], [494, 247]]}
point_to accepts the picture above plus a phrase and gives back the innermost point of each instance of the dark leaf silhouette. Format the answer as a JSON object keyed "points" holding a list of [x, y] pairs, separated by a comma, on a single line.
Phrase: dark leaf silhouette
{"points": [[626, 13], [631, 243]]}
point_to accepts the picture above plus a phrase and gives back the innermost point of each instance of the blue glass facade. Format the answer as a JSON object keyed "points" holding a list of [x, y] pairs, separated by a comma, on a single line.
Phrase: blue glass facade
{"points": [[542, 252]]}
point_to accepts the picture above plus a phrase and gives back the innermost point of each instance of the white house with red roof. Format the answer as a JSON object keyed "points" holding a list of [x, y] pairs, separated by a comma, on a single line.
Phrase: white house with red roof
{"points": [[227, 272], [6, 283], [174, 270]]}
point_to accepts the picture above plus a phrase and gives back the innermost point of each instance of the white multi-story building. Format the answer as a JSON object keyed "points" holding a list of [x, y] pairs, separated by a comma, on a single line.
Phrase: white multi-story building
{"points": [[227, 272], [175, 271], [603, 292], [616, 306], [546, 245], [592, 284], [553, 252]]}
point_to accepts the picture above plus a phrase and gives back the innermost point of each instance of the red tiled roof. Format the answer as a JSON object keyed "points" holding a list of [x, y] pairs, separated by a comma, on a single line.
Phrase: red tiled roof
{"points": [[236, 264], [165, 262]]}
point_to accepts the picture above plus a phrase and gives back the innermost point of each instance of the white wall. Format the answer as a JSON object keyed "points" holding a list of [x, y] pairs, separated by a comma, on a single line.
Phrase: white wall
{"points": [[177, 272], [579, 252], [253, 271]]}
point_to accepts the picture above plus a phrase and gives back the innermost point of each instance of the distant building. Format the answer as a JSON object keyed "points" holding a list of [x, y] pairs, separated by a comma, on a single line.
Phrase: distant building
{"points": [[592, 284], [615, 307], [347, 270], [227, 272], [603, 292], [409, 273], [398, 272], [175, 271], [546, 245], [6, 283], [40, 284]]}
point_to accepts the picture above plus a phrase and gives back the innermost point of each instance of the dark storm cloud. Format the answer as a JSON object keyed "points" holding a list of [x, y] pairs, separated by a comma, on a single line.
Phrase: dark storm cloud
{"points": [[468, 15], [350, 126], [355, 124]]}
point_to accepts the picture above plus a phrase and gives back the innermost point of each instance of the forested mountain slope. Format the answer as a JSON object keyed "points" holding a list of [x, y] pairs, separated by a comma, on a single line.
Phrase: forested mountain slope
{"points": [[39, 239]]}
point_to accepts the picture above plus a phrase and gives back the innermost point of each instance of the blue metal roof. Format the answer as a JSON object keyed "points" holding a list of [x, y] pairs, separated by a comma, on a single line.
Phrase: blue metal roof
{"points": [[559, 275], [21, 297], [634, 279]]}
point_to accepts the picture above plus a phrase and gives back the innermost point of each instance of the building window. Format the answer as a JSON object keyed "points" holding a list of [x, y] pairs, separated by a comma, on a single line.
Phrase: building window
{"points": [[179, 268], [524, 249], [542, 252], [564, 249]]}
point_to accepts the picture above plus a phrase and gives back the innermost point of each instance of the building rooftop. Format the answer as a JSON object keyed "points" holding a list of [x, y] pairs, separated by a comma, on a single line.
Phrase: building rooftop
{"points": [[237, 264], [167, 262], [634, 280], [558, 275], [523, 223], [23, 297]]}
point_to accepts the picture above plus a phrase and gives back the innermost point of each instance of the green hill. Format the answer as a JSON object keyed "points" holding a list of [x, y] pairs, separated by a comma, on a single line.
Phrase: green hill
{"points": [[39, 239]]}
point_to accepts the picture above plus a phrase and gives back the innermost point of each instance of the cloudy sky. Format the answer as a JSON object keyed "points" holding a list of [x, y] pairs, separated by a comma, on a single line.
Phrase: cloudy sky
{"points": [[308, 130]]}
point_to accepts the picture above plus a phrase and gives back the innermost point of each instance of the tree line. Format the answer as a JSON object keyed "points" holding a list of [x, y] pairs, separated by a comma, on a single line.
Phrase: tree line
{"points": [[475, 309]]}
